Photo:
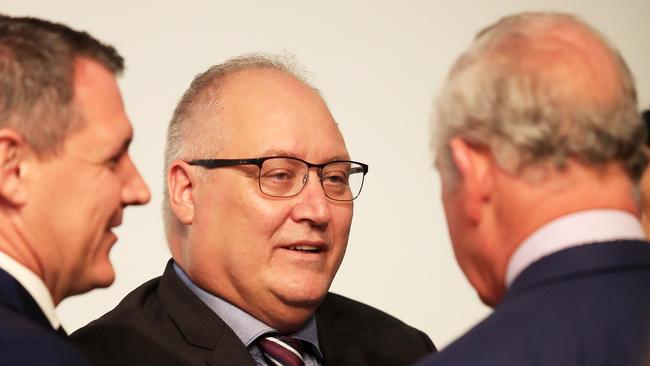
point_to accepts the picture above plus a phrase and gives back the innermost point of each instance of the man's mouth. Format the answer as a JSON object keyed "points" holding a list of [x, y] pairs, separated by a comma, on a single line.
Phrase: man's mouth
{"points": [[115, 221], [306, 248]]}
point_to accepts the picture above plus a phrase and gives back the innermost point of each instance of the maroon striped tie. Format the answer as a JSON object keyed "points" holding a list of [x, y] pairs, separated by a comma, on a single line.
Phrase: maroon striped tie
{"points": [[282, 351]]}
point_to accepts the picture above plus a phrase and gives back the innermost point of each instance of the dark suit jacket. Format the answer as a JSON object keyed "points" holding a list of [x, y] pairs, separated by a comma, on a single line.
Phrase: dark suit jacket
{"points": [[163, 323], [26, 336], [587, 305]]}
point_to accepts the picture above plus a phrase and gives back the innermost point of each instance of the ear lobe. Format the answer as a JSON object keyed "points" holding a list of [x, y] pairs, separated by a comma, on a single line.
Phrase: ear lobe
{"points": [[475, 166], [180, 184], [12, 155]]}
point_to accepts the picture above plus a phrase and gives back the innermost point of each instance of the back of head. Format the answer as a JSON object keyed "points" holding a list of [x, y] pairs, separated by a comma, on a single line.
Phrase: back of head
{"points": [[542, 88], [537, 120], [36, 78]]}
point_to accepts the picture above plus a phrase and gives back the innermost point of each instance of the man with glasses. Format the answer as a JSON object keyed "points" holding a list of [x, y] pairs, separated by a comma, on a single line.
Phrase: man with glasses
{"points": [[258, 212]]}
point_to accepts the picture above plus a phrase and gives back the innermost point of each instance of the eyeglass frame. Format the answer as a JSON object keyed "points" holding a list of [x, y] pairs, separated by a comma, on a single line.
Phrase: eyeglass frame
{"points": [[221, 163]]}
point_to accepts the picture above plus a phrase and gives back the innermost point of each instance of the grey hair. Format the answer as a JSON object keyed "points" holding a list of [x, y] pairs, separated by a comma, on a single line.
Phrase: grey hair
{"points": [[186, 133], [530, 115], [36, 78]]}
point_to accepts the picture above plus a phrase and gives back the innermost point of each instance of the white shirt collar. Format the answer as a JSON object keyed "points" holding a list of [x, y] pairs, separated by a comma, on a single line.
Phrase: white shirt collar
{"points": [[580, 228], [34, 285]]}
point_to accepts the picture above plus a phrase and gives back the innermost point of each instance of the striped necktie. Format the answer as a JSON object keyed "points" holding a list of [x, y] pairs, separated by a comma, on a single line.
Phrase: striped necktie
{"points": [[282, 351]]}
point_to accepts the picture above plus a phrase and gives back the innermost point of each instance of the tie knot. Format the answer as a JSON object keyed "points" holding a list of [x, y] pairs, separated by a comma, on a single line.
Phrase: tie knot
{"points": [[284, 351]]}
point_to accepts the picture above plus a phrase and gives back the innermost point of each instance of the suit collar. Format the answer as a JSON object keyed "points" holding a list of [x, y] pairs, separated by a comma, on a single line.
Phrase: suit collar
{"points": [[15, 297], [34, 286], [581, 261], [200, 326], [578, 228]]}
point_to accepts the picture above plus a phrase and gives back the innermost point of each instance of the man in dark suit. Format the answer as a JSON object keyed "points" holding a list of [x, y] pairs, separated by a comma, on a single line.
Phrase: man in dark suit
{"points": [[258, 212], [539, 151], [65, 178]]}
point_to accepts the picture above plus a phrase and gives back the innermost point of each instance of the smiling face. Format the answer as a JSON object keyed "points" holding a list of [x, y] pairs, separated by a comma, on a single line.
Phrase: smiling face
{"points": [[245, 246], [77, 196]]}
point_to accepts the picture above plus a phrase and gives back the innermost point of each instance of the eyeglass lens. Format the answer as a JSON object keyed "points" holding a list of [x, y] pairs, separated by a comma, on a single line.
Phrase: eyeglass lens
{"points": [[285, 177]]}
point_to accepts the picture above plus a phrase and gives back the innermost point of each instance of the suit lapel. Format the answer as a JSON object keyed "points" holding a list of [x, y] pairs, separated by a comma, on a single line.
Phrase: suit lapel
{"points": [[200, 326], [345, 356], [15, 297], [334, 340], [230, 351]]}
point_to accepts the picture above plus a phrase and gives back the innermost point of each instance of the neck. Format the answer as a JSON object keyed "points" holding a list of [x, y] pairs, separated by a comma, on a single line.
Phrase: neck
{"points": [[523, 204], [576, 188], [16, 243]]}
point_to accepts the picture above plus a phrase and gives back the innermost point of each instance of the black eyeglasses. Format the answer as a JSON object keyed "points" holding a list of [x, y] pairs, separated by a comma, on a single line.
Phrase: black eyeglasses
{"points": [[281, 176]]}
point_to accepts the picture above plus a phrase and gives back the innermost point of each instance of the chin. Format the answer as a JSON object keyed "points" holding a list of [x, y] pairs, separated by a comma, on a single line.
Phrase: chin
{"points": [[487, 300], [98, 277], [291, 317], [304, 294], [491, 297], [302, 300]]}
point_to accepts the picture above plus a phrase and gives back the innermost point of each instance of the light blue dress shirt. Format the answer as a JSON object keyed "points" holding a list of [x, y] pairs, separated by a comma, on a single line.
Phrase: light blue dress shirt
{"points": [[249, 329]]}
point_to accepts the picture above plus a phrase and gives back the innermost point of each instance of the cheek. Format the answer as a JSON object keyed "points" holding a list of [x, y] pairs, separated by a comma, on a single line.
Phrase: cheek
{"points": [[339, 227], [266, 217], [98, 201], [450, 213], [341, 221], [237, 228], [104, 202], [453, 227], [100, 186]]}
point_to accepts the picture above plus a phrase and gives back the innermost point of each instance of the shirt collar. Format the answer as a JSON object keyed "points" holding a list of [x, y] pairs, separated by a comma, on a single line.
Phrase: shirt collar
{"points": [[246, 327], [34, 286], [580, 228]]}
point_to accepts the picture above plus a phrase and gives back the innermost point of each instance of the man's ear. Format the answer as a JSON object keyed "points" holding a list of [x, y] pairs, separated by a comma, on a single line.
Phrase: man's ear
{"points": [[13, 150], [475, 166], [180, 184]]}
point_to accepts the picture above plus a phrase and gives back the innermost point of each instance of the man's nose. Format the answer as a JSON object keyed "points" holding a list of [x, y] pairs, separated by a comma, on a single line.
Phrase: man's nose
{"points": [[134, 190], [312, 204]]}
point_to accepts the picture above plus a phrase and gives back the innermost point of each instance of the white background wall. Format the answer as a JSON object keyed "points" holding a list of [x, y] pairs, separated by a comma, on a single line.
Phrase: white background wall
{"points": [[379, 65]]}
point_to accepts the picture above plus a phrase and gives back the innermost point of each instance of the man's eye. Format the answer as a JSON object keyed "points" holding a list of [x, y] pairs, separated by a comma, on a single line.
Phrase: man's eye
{"points": [[279, 175], [338, 178], [113, 161]]}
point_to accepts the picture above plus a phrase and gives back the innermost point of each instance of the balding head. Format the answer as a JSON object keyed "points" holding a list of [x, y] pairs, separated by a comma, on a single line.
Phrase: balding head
{"points": [[538, 88]]}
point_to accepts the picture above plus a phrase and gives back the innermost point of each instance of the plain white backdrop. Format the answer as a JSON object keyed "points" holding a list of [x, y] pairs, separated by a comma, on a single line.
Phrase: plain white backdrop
{"points": [[379, 65]]}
